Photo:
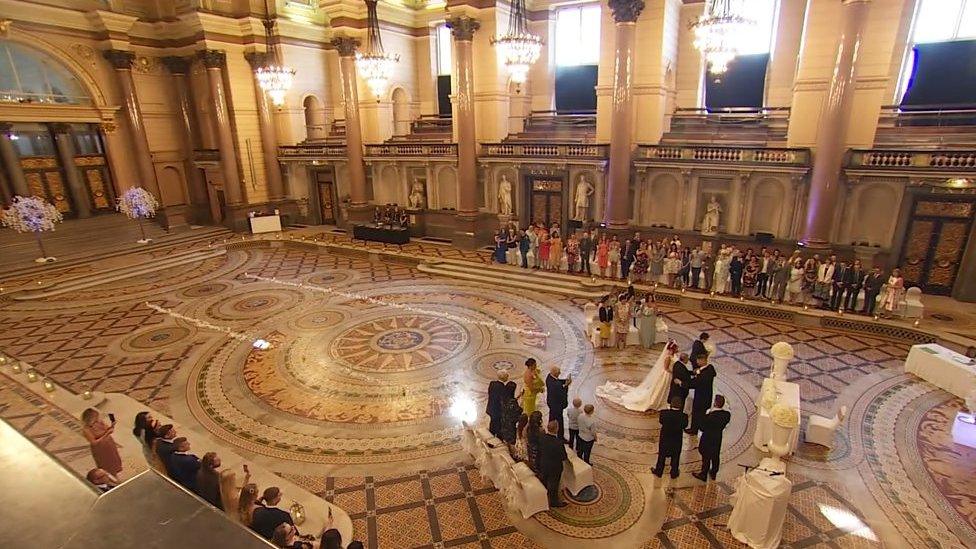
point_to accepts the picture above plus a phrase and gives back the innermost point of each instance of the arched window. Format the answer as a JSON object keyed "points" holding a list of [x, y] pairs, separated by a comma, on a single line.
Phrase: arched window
{"points": [[576, 46], [939, 70], [29, 76], [743, 84]]}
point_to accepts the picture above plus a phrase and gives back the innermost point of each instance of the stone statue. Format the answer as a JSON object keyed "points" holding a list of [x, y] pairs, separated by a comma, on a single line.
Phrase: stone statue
{"points": [[504, 196], [713, 213], [582, 200], [416, 195]]}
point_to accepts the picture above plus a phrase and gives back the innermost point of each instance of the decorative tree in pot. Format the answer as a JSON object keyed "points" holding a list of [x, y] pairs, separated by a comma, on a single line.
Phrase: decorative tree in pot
{"points": [[138, 203], [31, 214]]}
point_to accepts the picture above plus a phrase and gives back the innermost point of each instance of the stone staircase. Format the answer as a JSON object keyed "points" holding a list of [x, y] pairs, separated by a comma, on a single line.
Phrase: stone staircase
{"points": [[516, 277]]}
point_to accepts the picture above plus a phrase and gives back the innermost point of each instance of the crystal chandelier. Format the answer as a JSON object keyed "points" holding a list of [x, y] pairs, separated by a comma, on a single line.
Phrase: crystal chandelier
{"points": [[518, 48], [375, 65], [718, 32], [273, 77]]}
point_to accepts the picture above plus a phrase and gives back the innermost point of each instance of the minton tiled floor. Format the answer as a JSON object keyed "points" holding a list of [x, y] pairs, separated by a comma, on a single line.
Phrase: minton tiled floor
{"points": [[354, 399]]}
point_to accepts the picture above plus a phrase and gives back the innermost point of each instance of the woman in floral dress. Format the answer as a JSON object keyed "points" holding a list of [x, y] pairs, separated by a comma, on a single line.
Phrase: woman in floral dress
{"points": [[613, 257], [572, 253], [641, 263]]}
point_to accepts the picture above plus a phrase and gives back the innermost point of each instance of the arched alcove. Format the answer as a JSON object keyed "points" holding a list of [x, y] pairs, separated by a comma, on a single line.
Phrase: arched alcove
{"points": [[876, 208], [171, 186], [314, 118], [767, 206], [518, 106], [658, 200], [446, 188], [401, 111], [385, 189]]}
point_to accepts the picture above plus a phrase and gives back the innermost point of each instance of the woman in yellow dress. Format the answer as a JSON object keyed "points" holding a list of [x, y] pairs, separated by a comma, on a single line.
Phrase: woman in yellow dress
{"points": [[533, 386], [555, 253]]}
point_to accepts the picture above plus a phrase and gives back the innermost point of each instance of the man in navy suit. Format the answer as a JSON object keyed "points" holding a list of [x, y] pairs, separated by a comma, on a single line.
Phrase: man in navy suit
{"points": [[183, 465], [268, 516], [710, 445]]}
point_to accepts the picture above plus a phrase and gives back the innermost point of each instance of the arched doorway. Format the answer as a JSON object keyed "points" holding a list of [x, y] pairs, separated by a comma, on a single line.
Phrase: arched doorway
{"points": [[314, 119], [401, 112]]}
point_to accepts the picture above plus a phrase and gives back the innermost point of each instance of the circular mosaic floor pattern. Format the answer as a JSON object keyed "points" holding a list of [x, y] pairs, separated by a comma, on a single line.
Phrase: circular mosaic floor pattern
{"points": [[608, 508], [352, 383]]}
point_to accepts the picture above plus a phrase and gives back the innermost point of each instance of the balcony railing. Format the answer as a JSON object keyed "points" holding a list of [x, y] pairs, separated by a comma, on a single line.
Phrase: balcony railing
{"points": [[417, 150], [544, 150], [723, 155], [312, 152], [945, 160]]}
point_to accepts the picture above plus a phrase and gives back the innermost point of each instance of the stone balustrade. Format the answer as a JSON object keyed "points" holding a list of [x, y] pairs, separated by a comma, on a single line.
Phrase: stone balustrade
{"points": [[545, 150], [950, 161], [312, 152], [388, 150], [722, 155]]}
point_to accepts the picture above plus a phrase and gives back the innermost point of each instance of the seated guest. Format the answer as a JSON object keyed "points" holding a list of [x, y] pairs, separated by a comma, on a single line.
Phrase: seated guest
{"points": [[331, 539], [145, 428], [286, 536], [208, 480], [268, 516], [183, 465], [102, 479], [164, 442], [247, 502]]}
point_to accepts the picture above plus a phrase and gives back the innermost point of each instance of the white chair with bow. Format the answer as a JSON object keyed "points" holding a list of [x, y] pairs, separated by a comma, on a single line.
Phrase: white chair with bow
{"points": [[820, 430]]}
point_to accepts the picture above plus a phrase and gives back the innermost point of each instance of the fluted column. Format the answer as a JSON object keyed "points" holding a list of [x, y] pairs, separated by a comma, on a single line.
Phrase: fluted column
{"points": [[269, 132], [66, 154], [122, 63], [789, 205], [214, 61], [179, 67], [12, 161], [463, 29], [831, 134], [625, 13], [733, 225], [346, 46]]}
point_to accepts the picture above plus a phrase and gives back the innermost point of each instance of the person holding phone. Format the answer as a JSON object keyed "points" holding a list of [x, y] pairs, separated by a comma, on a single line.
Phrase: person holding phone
{"points": [[99, 435]]}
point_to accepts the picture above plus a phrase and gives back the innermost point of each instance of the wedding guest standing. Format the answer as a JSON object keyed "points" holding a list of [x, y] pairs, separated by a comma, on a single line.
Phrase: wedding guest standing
{"points": [[602, 255], [698, 348], [572, 422], [545, 249], [795, 286], [766, 265], [707, 272], [647, 322], [501, 246], [555, 253], [627, 257], [99, 436], [655, 268], [854, 283], [511, 412], [621, 322], [894, 291], [641, 263], [736, 268], [605, 313], [673, 421], [533, 432], [695, 260], [533, 385], [586, 250], [614, 256], [703, 380], [680, 380], [496, 398], [872, 287], [781, 279], [557, 398], [524, 245], [533, 234], [839, 283], [552, 454], [710, 445]]}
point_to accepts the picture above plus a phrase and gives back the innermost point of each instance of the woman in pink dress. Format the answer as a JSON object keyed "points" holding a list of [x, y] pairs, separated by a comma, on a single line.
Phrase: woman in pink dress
{"points": [[555, 253], [613, 256], [602, 254], [544, 248], [99, 436]]}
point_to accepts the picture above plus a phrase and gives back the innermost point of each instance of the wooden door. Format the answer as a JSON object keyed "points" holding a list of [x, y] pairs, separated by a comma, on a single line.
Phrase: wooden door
{"points": [[936, 240], [95, 174], [45, 180], [546, 201], [325, 186]]}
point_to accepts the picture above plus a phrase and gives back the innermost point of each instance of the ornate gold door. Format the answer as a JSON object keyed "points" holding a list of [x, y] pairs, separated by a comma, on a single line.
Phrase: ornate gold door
{"points": [[327, 202], [98, 183], [935, 243], [43, 175], [546, 201]]}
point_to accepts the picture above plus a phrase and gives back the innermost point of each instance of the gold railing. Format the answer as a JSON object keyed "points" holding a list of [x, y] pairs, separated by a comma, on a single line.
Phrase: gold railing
{"points": [[908, 159], [411, 149], [730, 155], [544, 150], [311, 152]]}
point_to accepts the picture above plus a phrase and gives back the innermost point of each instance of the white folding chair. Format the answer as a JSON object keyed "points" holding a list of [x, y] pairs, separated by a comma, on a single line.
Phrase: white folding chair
{"points": [[526, 495], [468, 439], [913, 303], [820, 430], [577, 474]]}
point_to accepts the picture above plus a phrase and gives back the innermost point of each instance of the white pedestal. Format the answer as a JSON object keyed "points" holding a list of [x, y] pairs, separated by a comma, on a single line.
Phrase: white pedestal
{"points": [[265, 224], [760, 508]]}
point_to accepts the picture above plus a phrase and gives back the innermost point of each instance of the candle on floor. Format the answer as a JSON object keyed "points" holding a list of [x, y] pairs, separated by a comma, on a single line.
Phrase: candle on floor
{"points": [[31, 376], [876, 317], [712, 293], [87, 395], [916, 323], [17, 369], [48, 386], [806, 307]]}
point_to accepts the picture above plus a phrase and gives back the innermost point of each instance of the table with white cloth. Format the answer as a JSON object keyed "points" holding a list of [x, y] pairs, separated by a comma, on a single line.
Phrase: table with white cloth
{"points": [[944, 368], [760, 507], [789, 394]]}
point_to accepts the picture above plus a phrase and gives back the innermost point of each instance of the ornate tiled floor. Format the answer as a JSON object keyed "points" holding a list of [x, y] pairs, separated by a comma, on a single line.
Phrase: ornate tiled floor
{"points": [[354, 400]]}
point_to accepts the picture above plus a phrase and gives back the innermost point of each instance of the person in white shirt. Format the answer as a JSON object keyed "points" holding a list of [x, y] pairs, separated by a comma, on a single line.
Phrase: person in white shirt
{"points": [[572, 422], [587, 433]]}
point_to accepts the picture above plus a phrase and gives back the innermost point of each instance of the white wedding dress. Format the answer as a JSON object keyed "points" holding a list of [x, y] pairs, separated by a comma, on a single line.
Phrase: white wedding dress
{"points": [[651, 394]]}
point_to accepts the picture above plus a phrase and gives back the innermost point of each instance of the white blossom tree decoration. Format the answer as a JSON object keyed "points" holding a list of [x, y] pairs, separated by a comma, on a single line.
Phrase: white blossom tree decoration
{"points": [[31, 214], [138, 203]]}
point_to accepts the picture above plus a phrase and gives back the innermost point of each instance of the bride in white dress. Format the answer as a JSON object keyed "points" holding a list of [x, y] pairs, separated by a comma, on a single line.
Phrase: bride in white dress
{"points": [[652, 393]]}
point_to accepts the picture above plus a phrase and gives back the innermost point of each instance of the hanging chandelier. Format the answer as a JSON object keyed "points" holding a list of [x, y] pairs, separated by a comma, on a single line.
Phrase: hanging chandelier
{"points": [[518, 48], [719, 31], [375, 65], [273, 77]]}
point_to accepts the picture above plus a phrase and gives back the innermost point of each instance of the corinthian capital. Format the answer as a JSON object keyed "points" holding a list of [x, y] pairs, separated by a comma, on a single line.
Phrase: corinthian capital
{"points": [[176, 64], [463, 27], [345, 45], [626, 11], [213, 59], [120, 59]]}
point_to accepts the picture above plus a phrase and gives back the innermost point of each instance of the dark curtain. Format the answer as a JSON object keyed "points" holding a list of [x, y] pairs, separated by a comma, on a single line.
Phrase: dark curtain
{"points": [[944, 75], [742, 86], [576, 89], [444, 95]]}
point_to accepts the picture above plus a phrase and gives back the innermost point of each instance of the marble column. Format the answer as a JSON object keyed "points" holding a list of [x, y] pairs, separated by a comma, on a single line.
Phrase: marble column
{"points": [[66, 155], [122, 63], [269, 131], [788, 207], [463, 29], [625, 13], [346, 46], [825, 180], [691, 202], [733, 225], [179, 67], [214, 61], [18, 184]]}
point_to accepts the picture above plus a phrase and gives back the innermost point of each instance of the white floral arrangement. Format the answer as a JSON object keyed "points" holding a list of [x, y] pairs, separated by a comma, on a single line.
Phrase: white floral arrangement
{"points": [[30, 214], [769, 397], [785, 416], [138, 203]]}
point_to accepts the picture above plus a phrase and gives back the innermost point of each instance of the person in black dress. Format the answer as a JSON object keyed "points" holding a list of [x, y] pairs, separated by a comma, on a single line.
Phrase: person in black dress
{"points": [[710, 445], [496, 397], [703, 380], [511, 412], [673, 421]]}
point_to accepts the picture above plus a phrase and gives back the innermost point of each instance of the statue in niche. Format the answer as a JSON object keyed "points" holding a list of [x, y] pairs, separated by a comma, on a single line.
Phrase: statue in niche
{"points": [[417, 193], [504, 196], [713, 213], [582, 199]]}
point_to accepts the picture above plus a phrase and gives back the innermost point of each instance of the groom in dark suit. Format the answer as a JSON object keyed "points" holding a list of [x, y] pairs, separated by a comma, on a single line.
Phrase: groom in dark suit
{"points": [[710, 445], [680, 379], [702, 382], [673, 420]]}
